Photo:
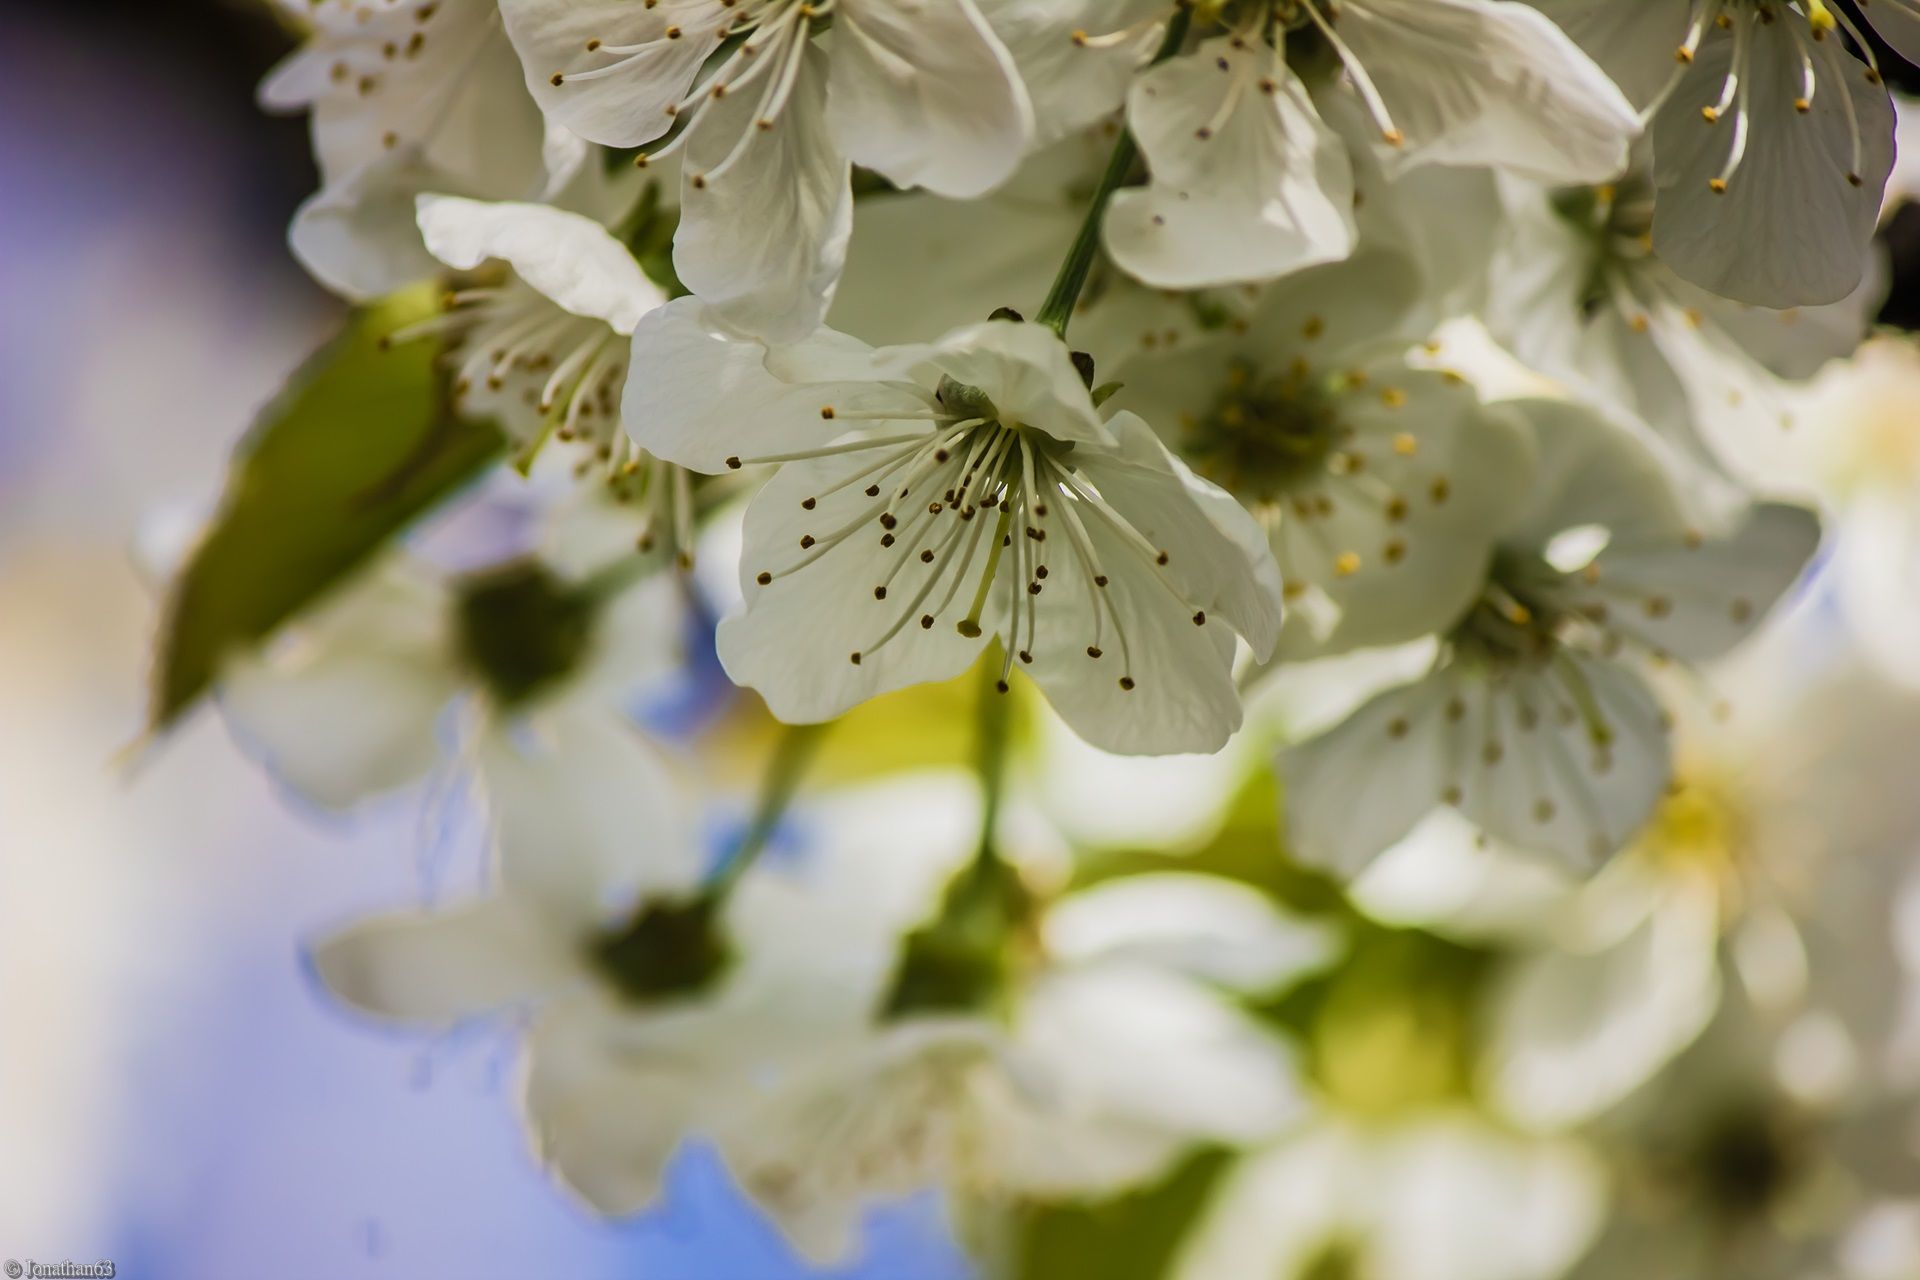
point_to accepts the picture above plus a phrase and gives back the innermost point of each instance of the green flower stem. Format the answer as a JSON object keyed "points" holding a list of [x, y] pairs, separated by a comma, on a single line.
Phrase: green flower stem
{"points": [[1057, 310], [990, 751], [784, 772]]}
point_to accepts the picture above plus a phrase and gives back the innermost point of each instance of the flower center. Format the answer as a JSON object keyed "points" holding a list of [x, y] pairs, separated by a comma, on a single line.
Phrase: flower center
{"points": [[1745, 1162], [666, 949], [1265, 435], [977, 489], [521, 630]]}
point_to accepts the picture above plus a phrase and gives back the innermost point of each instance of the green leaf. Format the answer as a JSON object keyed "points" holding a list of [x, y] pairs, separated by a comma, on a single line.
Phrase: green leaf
{"points": [[1130, 1238], [361, 444]]}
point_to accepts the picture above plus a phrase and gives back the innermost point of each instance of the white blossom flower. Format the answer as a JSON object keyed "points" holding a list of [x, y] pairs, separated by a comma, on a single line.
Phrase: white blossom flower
{"points": [[1381, 487], [1760, 1154], [1113, 1059], [1577, 293], [933, 497], [1771, 143], [1856, 453], [648, 1004], [540, 341], [1534, 722], [767, 122], [406, 96], [1776, 848], [1247, 180], [1440, 1197], [352, 698]]}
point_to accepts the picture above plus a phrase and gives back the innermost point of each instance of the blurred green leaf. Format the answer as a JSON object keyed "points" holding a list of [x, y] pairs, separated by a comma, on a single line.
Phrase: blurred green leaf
{"points": [[361, 443], [1133, 1237]]}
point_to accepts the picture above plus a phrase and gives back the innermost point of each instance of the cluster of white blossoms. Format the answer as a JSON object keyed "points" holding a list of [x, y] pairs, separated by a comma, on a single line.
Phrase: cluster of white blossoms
{"points": [[1379, 405]]}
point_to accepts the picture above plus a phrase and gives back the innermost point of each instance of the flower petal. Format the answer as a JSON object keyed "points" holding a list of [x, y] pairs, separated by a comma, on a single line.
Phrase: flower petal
{"points": [[765, 206], [347, 703], [1205, 927], [1491, 82], [797, 640], [926, 95], [586, 818], [628, 107], [1247, 182], [439, 968], [1567, 757], [568, 258], [1795, 220], [699, 393]]}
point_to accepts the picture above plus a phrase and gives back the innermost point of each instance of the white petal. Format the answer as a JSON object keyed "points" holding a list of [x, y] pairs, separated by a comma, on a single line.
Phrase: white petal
{"points": [[570, 259], [1491, 82], [1143, 1051], [359, 236], [604, 1121], [1570, 1032], [1632, 40], [1696, 599], [347, 703], [586, 817], [1247, 182], [1217, 554], [1216, 930], [1025, 369], [699, 393], [796, 640], [1568, 758], [763, 241], [1459, 1200], [963, 275], [1794, 224], [1590, 471], [926, 95], [440, 82], [440, 968], [1400, 547], [626, 108], [1074, 83], [1161, 682]]}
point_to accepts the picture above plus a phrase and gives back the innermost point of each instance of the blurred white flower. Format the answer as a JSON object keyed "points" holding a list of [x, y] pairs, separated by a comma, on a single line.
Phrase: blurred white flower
{"points": [[1443, 1197], [1577, 293], [350, 700], [1535, 723], [1114, 1057]]}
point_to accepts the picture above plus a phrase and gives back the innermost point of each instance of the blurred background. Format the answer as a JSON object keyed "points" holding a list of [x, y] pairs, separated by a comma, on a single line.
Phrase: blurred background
{"points": [[175, 1094]]}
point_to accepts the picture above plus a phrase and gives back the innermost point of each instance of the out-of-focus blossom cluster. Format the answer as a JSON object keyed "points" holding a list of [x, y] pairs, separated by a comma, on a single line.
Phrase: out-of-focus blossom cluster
{"points": [[1261, 638]]}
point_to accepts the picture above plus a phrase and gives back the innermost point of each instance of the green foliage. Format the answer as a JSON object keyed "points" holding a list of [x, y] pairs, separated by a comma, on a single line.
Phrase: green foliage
{"points": [[361, 443], [1131, 1238]]}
